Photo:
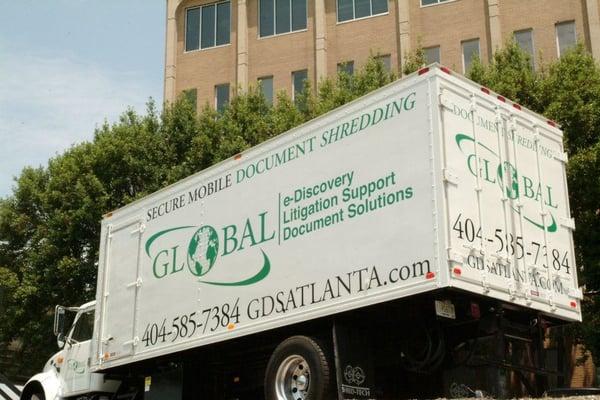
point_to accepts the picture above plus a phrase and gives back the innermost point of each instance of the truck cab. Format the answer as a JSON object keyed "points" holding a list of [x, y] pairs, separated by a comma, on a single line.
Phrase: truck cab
{"points": [[67, 373]]}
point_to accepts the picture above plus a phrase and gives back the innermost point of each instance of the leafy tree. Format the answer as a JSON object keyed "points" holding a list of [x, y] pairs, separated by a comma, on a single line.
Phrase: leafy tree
{"points": [[414, 60], [510, 73]]}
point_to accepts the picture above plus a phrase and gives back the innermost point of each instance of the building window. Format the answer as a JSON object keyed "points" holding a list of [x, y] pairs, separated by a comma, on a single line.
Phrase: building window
{"points": [[432, 54], [298, 79], [191, 95], [281, 16], [470, 50], [354, 9], [386, 59], [432, 2], [221, 96], [524, 39], [207, 26], [266, 86], [565, 36], [346, 67]]}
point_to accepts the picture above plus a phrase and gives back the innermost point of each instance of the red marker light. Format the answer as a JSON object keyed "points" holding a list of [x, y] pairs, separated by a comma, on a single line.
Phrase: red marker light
{"points": [[446, 70], [515, 105], [502, 99], [485, 90], [430, 275], [457, 271], [423, 70], [573, 304], [551, 123]]}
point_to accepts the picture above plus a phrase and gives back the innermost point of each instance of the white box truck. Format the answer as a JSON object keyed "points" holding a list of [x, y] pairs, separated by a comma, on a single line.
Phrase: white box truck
{"points": [[362, 255]]}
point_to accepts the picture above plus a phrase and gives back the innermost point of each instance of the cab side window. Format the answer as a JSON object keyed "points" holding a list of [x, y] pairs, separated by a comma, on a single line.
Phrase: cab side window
{"points": [[84, 327]]}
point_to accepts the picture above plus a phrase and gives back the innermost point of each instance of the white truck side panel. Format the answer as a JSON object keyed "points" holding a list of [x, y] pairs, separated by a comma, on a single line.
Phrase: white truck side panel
{"points": [[334, 215]]}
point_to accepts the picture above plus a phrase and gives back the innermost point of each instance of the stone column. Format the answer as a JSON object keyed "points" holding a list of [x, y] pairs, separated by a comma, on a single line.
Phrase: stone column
{"points": [[320, 22], [404, 46], [242, 45], [593, 18], [495, 29], [170, 51]]}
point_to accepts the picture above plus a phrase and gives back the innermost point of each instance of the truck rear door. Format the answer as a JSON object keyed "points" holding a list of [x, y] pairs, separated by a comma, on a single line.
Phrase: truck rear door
{"points": [[509, 231]]}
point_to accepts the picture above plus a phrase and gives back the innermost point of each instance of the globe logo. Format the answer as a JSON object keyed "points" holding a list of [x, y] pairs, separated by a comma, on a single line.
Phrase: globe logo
{"points": [[512, 186], [203, 250]]}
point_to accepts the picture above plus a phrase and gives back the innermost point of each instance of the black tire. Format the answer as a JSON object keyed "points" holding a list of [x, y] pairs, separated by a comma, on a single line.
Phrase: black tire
{"points": [[318, 377], [37, 396]]}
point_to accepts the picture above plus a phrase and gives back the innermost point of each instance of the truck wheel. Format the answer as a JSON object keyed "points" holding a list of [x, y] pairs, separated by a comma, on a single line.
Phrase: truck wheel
{"points": [[298, 370], [37, 396]]}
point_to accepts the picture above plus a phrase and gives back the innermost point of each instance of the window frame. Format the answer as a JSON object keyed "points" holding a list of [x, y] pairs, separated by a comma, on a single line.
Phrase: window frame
{"points": [[344, 66], [532, 55], [337, 12], [188, 93], [216, 89], [381, 57], [439, 47], [293, 82], [462, 51], [291, 31], [556, 34], [266, 77], [185, 23], [437, 3]]}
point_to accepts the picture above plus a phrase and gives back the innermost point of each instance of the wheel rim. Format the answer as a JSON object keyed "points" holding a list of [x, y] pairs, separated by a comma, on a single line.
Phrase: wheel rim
{"points": [[293, 379]]}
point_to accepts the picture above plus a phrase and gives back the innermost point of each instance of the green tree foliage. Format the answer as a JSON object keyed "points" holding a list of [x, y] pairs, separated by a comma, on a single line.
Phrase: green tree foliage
{"points": [[510, 73], [567, 91], [50, 225], [414, 61]]}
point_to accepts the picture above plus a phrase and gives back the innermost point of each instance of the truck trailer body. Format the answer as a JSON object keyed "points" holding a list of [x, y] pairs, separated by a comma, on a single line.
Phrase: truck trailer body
{"points": [[431, 192]]}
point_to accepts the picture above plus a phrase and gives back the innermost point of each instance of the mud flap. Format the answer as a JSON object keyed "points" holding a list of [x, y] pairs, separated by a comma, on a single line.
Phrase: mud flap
{"points": [[164, 384], [354, 363]]}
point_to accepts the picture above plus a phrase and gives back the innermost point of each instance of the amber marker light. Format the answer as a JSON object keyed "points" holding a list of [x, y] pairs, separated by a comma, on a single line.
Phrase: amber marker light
{"points": [[230, 326]]}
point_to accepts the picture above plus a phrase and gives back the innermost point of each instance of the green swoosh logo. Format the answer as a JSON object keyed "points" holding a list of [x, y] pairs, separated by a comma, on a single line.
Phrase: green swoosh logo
{"points": [[551, 228], [262, 274], [161, 233], [460, 138]]}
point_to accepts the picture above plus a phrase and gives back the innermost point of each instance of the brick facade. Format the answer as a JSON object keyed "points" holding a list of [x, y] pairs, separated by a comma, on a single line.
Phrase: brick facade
{"points": [[326, 42]]}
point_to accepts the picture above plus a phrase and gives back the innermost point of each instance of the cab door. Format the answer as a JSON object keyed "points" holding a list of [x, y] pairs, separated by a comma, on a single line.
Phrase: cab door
{"points": [[75, 371]]}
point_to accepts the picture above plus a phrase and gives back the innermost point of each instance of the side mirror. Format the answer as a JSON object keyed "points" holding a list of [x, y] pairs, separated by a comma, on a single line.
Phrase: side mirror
{"points": [[60, 340], [59, 325]]}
